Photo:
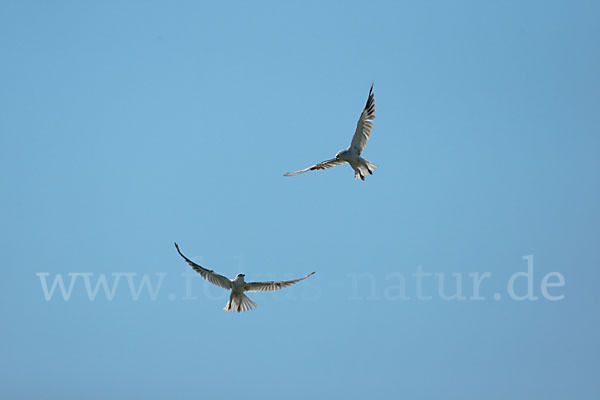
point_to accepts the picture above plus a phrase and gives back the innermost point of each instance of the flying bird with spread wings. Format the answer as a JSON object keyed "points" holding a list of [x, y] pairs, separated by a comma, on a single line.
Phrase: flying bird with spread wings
{"points": [[359, 141], [238, 301]]}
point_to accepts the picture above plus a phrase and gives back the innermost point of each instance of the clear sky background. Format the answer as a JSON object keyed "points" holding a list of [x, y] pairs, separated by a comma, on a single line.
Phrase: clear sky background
{"points": [[126, 126]]}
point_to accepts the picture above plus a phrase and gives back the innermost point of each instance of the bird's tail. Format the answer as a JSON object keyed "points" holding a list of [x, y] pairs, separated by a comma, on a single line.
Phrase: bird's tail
{"points": [[364, 168], [239, 303], [370, 167]]}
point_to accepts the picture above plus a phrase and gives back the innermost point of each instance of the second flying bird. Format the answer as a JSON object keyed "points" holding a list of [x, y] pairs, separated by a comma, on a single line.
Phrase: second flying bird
{"points": [[352, 154]]}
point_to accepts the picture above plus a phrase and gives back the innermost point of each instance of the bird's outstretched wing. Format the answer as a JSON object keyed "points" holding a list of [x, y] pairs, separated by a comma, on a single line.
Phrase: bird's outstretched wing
{"points": [[271, 286], [364, 125], [322, 165], [207, 274]]}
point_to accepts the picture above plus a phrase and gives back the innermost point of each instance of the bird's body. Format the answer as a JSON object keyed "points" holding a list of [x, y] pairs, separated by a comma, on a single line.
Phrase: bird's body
{"points": [[238, 301], [360, 166], [352, 155]]}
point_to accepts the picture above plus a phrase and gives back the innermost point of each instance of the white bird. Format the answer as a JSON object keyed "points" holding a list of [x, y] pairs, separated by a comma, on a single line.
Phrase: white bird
{"points": [[238, 301], [359, 141]]}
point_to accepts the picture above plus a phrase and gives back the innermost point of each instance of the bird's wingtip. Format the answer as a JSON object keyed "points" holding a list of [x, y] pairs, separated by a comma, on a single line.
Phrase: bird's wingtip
{"points": [[370, 97], [179, 251]]}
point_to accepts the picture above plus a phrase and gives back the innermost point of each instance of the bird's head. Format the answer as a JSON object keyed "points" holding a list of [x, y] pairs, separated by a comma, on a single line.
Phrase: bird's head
{"points": [[340, 154], [240, 275]]}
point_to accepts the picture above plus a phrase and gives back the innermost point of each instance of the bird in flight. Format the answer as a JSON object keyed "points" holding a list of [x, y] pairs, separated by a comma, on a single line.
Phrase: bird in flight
{"points": [[238, 301], [359, 141]]}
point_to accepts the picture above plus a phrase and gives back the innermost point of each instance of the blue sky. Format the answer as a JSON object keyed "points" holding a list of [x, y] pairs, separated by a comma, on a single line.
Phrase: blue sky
{"points": [[127, 126]]}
